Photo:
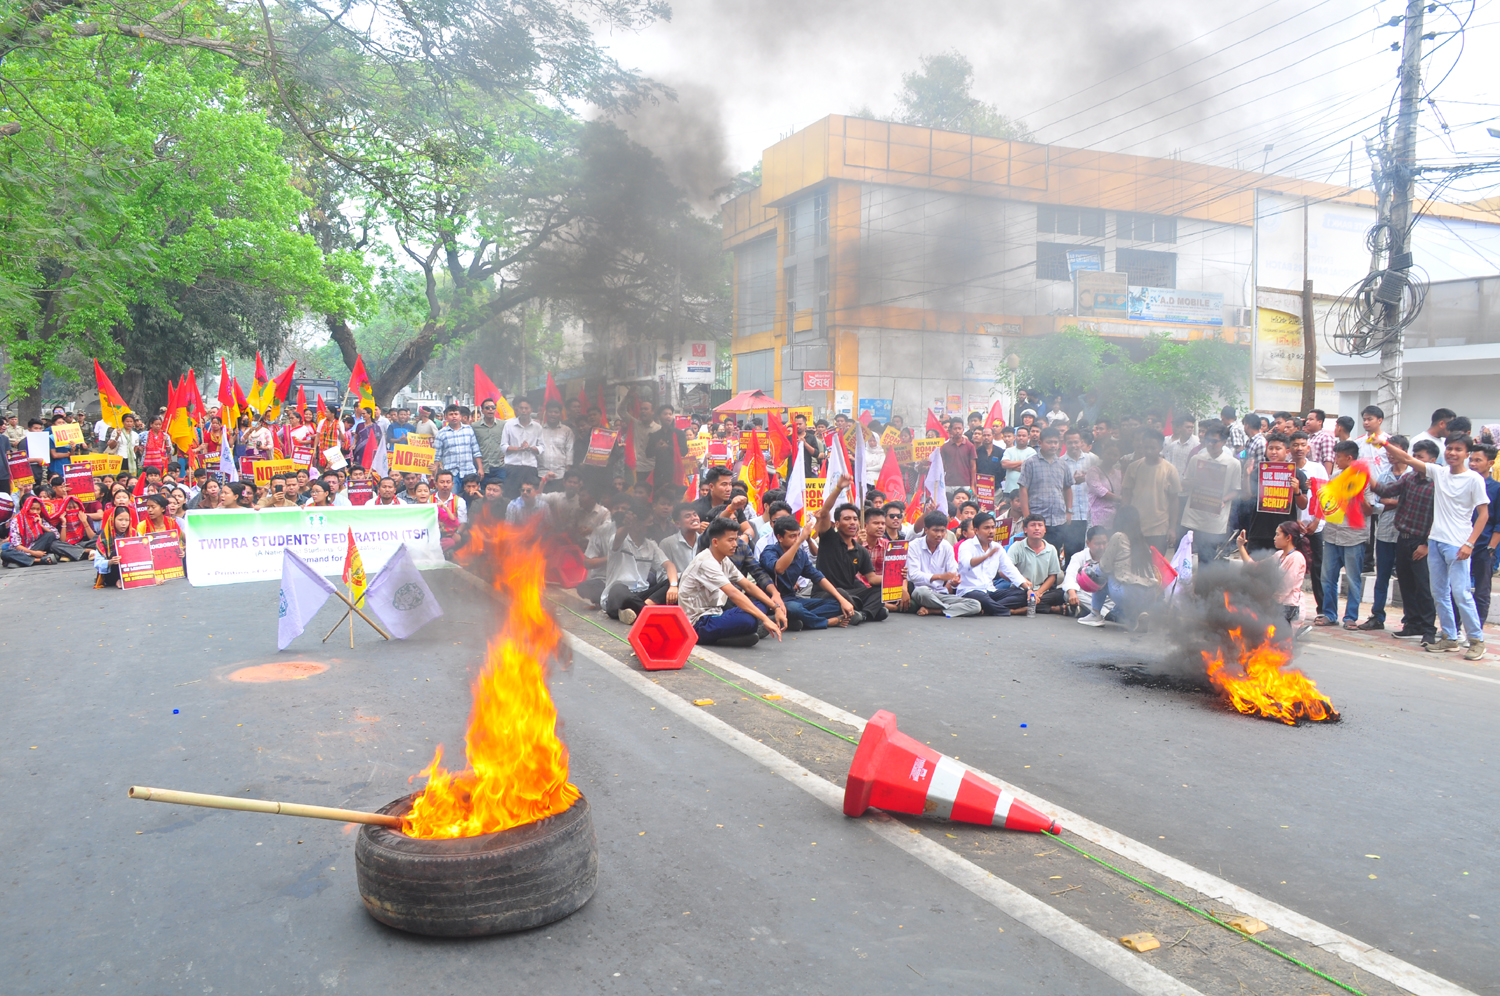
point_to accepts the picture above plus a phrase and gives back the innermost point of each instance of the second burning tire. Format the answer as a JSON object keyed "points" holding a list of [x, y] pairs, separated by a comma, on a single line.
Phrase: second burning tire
{"points": [[512, 880]]}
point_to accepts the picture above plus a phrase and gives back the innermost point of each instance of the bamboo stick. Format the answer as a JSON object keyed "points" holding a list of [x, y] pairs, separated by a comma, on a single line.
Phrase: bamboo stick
{"points": [[263, 806]]}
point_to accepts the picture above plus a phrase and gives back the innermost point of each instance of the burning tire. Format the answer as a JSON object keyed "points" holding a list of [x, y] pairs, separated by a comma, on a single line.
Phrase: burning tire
{"points": [[471, 886]]}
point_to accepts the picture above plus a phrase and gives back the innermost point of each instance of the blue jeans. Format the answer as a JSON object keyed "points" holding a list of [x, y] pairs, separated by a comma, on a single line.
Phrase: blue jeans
{"points": [[733, 621], [1452, 585], [1130, 599], [1385, 563], [1335, 559], [814, 612]]}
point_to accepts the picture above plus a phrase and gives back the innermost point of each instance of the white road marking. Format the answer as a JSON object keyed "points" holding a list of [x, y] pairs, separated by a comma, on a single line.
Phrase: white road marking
{"points": [[1364, 956], [1332, 648], [1102, 953]]}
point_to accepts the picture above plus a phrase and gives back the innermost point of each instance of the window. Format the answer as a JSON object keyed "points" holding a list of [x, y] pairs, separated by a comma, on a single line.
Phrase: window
{"points": [[1052, 259], [1146, 268], [820, 218], [820, 280], [789, 281], [1145, 228], [755, 370], [791, 229], [1069, 221], [756, 292]]}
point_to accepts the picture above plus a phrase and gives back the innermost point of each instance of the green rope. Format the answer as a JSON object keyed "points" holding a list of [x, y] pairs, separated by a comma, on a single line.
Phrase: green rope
{"points": [[1204, 913], [1100, 861], [754, 695]]}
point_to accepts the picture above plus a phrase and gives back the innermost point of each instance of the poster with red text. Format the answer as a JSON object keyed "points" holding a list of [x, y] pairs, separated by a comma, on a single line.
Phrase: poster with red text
{"points": [[893, 580], [137, 568]]}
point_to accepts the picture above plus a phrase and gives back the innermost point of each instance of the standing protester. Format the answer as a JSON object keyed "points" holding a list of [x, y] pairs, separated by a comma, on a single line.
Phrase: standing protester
{"points": [[1412, 492], [988, 457], [1343, 550], [1311, 524], [1437, 429], [1385, 548], [522, 442], [1015, 457], [1260, 533], [1320, 439], [490, 432], [1045, 490], [1152, 487], [958, 457], [1482, 462], [1460, 512], [556, 448], [1210, 482]]}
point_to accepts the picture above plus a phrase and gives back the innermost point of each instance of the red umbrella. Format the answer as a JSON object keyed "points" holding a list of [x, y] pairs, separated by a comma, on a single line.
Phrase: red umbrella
{"points": [[749, 401]]}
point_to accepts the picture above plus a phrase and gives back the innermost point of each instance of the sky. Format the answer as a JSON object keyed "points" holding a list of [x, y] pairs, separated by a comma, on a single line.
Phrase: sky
{"points": [[1214, 83]]}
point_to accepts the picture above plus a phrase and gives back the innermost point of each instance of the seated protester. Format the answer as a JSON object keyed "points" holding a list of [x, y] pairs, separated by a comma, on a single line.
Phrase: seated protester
{"points": [[966, 511], [716, 488], [157, 521], [69, 516], [1131, 576], [843, 560], [1086, 560], [32, 538], [596, 551], [525, 507], [775, 510], [874, 539], [106, 552], [932, 573], [471, 492], [662, 523], [407, 485], [637, 573], [980, 561], [791, 566], [1039, 564], [711, 581], [896, 526], [682, 545]]}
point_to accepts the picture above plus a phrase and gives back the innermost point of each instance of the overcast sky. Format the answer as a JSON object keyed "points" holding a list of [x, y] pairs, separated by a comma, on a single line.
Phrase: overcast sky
{"points": [[1212, 83]]}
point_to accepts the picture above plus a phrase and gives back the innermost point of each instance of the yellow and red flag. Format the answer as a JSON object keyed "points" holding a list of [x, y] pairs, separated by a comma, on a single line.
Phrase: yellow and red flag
{"points": [[753, 472], [194, 397], [260, 387], [229, 409], [276, 394], [485, 390], [354, 570], [359, 384], [112, 406], [179, 426], [996, 419]]}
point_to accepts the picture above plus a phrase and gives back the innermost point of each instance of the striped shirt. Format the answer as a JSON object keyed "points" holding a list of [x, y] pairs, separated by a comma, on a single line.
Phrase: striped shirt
{"points": [[458, 450]]}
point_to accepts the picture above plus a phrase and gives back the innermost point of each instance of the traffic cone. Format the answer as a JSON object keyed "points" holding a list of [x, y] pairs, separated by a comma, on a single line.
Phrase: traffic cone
{"points": [[896, 773]]}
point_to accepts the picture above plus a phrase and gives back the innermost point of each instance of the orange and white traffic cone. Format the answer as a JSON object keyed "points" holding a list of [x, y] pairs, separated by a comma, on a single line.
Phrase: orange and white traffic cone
{"points": [[891, 771]]}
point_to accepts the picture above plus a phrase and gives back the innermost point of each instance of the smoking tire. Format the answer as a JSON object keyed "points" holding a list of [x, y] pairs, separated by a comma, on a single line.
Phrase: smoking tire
{"points": [[471, 886]]}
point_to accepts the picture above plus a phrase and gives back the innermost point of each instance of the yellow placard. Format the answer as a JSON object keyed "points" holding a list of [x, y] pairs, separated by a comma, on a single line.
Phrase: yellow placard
{"points": [[266, 469], [921, 449], [101, 463], [812, 495], [67, 434], [697, 447], [408, 459]]}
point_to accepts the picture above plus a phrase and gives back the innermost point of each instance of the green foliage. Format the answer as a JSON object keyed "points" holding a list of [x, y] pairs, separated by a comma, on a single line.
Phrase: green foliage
{"points": [[1159, 374], [938, 96]]}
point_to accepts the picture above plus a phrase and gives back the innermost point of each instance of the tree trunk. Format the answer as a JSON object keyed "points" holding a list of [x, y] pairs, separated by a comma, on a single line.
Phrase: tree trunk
{"points": [[29, 404], [132, 387]]}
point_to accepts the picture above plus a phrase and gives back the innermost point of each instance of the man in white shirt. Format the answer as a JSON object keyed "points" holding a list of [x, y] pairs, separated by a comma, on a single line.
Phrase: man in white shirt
{"points": [[1014, 457], [1460, 509], [1211, 479], [1437, 431], [1181, 445], [1072, 587], [557, 448], [1371, 444], [681, 546], [932, 572], [980, 561], [637, 572], [522, 441]]}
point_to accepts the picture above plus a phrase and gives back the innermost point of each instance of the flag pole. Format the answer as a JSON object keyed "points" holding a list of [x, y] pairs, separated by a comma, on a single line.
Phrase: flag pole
{"points": [[351, 621], [349, 614]]}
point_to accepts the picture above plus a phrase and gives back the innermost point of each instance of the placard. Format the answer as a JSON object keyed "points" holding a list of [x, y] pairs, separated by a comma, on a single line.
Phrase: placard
{"points": [[409, 459], [101, 463], [890, 438], [1002, 531], [333, 459], [79, 477], [697, 447], [137, 569], [602, 444], [984, 491], [166, 557], [683, 421], [1276, 487], [812, 494], [67, 434], [1208, 483], [247, 469], [360, 492], [921, 449], [264, 470], [893, 577], [38, 446], [20, 467], [717, 454]]}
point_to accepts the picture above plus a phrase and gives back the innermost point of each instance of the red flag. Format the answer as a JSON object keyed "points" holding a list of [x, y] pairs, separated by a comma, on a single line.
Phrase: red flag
{"points": [[1167, 426], [260, 387], [583, 399], [630, 445], [933, 423], [759, 479], [322, 410], [228, 413], [1163, 567], [891, 482], [195, 397], [283, 383], [997, 416], [239, 396], [484, 388], [603, 412], [691, 494], [359, 383], [781, 443], [112, 406], [866, 417], [302, 401], [553, 394]]}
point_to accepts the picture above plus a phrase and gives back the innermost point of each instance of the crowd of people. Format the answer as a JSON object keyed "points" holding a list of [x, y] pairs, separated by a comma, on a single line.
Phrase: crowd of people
{"points": [[1047, 512]]}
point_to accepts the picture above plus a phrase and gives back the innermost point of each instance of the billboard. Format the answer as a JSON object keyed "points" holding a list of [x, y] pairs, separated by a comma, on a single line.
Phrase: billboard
{"points": [[1185, 307], [695, 362], [1101, 295]]}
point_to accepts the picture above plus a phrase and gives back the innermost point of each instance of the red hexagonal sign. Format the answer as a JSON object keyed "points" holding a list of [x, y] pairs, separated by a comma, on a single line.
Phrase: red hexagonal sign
{"points": [[662, 637]]}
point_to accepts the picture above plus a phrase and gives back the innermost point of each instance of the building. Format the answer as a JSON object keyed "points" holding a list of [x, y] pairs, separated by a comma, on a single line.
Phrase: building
{"points": [[895, 265]]}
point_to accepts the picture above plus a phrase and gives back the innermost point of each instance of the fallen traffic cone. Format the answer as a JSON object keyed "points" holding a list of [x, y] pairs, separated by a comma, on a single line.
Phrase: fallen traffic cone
{"points": [[891, 771]]}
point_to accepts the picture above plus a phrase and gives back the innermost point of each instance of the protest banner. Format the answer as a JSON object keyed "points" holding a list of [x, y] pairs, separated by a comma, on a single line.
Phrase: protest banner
{"points": [[718, 454], [1209, 485], [921, 449], [67, 434], [1276, 486], [302, 453], [101, 463], [264, 470], [411, 459], [166, 557], [228, 549], [813, 495], [893, 576], [697, 448], [984, 492], [601, 445], [20, 467], [79, 477], [137, 569], [360, 492]]}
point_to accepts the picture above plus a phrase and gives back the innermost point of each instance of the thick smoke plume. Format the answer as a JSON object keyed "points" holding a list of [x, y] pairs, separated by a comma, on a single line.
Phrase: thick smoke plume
{"points": [[1200, 624]]}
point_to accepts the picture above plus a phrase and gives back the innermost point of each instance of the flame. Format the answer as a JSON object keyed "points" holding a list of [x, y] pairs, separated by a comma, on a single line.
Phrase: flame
{"points": [[1259, 682], [517, 768]]}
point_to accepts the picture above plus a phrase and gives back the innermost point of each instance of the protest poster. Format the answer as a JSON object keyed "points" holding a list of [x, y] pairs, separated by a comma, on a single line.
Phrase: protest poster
{"points": [[333, 459], [812, 494], [1002, 531], [893, 577], [717, 454], [20, 467], [360, 492], [697, 448], [921, 449], [984, 492], [137, 569], [1276, 487], [418, 439], [38, 447], [166, 557], [601, 445], [411, 459], [247, 469], [804, 410], [683, 422], [1209, 483], [302, 453], [101, 463], [227, 549], [67, 434], [79, 477], [264, 470]]}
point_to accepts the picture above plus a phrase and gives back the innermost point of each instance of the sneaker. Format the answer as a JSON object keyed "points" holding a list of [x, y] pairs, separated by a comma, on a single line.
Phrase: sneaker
{"points": [[794, 625], [1442, 645], [1372, 623], [761, 632], [1408, 634], [1475, 651], [1091, 620], [857, 618], [1302, 631], [1143, 623], [748, 640], [627, 616]]}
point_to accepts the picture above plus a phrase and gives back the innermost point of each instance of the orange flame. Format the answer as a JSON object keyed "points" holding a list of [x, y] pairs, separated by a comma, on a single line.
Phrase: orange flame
{"points": [[517, 767], [1263, 687]]}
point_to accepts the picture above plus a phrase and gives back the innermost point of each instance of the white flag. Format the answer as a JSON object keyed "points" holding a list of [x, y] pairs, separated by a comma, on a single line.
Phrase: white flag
{"points": [[796, 483], [837, 465], [1182, 563], [227, 465], [303, 592], [936, 482], [400, 598]]}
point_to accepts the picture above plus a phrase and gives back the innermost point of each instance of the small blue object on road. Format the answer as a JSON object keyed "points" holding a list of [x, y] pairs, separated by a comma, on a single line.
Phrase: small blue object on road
{"points": [[1023, 725], [176, 711]]}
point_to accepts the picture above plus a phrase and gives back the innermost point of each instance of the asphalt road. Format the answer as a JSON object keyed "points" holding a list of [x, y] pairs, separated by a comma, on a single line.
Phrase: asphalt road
{"points": [[714, 873], [1298, 815]]}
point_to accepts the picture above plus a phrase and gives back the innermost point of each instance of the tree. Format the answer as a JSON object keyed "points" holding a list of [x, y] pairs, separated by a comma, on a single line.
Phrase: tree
{"points": [[938, 96]]}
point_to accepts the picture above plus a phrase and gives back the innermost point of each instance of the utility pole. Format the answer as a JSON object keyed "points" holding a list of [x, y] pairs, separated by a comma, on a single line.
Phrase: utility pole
{"points": [[1309, 333], [1403, 167]]}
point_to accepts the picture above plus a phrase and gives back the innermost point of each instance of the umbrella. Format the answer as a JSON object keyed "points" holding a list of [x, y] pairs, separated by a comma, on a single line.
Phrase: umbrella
{"points": [[750, 401]]}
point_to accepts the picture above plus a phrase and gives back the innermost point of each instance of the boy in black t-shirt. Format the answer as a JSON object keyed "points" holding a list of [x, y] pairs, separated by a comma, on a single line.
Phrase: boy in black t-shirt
{"points": [[1261, 532], [843, 560]]}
